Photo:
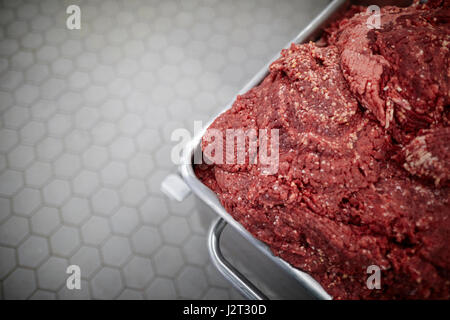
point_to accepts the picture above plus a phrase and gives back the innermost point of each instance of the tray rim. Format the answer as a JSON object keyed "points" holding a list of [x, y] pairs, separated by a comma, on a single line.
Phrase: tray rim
{"points": [[209, 197]]}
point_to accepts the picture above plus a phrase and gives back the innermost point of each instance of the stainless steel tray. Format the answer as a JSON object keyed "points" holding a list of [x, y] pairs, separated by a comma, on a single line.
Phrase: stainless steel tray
{"points": [[310, 32], [209, 197]]}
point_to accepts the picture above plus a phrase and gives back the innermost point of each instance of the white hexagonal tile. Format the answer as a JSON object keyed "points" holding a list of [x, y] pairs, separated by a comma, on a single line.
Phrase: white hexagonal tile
{"points": [[168, 261], [85, 183], [169, 73], [119, 87], [64, 241], [157, 116], [112, 109], [133, 192], [45, 221], [41, 23], [7, 261], [139, 30], [8, 138], [161, 289], [163, 157], [130, 124], [38, 174], [140, 166], [10, 80], [154, 210], [20, 284], [37, 73], [138, 272], [106, 284], [6, 97], [197, 223], [102, 74], [125, 220], [191, 282], [51, 275], [49, 148], [13, 230], [75, 211], [77, 141], [95, 230], [86, 118], [122, 148], [88, 259], [3, 162], [95, 95], [138, 102], [116, 251], [25, 96], [59, 125], [43, 109], [32, 132], [52, 88], [143, 81], [114, 173], [110, 54], [70, 101], [195, 250], [95, 157], [32, 251], [43, 295], [87, 60], [155, 179], [175, 230], [168, 129], [56, 192], [21, 157], [117, 36], [32, 40], [71, 48], [62, 67], [47, 53], [125, 18], [184, 208], [182, 109], [67, 165], [146, 240], [5, 209], [103, 133], [10, 182], [26, 201], [22, 59], [173, 55], [7, 15], [82, 294], [130, 294], [216, 294], [49, 7], [27, 11], [105, 201]]}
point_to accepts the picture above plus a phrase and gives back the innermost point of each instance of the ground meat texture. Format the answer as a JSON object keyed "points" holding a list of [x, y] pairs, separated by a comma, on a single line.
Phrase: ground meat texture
{"points": [[350, 191], [401, 71], [428, 155]]}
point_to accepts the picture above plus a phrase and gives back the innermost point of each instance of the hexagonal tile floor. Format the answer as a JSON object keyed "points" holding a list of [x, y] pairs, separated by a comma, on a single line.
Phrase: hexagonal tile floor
{"points": [[85, 123]]}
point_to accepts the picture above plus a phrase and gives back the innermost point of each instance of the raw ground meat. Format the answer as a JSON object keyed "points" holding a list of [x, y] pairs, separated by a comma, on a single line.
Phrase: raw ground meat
{"points": [[427, 155], [363, 170], [398, 72]]}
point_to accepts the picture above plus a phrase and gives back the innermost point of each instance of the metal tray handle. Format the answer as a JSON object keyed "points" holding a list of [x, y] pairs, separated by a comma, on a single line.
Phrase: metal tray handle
{"points": [[237, 279]]}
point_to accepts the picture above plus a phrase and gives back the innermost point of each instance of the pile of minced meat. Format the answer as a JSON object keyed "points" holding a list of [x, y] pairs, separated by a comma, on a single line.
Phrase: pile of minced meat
{"points": [[364, 157]]}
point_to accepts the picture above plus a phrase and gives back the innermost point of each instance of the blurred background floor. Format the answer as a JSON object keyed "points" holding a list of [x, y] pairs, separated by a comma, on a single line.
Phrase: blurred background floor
{"points": [[85, 123]]}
